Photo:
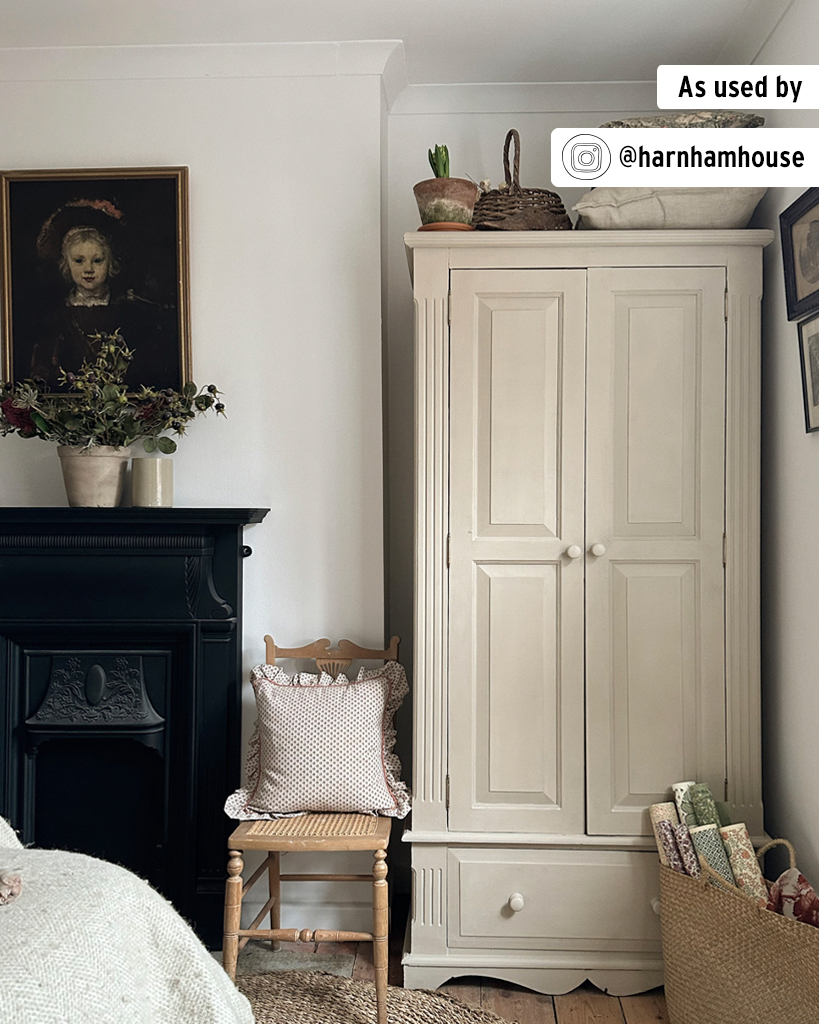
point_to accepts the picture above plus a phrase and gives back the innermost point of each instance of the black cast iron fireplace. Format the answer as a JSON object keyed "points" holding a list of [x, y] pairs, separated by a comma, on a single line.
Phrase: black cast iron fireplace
{"points": [[120, 689]]}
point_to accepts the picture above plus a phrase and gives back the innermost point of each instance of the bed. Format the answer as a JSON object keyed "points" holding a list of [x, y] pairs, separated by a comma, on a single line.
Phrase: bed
{"points": [[89, 941]]}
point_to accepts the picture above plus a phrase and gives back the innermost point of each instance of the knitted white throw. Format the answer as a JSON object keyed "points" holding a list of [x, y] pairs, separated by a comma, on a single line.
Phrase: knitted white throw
{"points": [[88, 942]]}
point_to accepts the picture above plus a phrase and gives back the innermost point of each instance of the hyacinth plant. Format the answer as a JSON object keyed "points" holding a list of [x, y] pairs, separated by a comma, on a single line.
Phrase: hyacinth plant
{"points": [[99, 409], [439, 161]]}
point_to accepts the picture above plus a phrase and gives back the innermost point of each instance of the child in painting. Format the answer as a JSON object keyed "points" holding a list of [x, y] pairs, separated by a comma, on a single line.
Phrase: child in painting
{"points": [[88, 262], [81, 239]]}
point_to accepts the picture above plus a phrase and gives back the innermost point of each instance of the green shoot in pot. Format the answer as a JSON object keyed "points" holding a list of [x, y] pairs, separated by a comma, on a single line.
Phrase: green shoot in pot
{"points": [[439, 162]]}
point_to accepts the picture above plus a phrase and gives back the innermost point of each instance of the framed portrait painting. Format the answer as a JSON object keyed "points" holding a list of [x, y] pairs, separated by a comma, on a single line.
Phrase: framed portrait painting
{"points": [[89, 252], [799, 228], [809, 357]]}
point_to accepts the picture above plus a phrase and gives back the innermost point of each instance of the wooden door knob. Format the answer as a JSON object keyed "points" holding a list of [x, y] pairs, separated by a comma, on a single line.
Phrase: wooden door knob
{"points": [[574, 551], [598, 549]]}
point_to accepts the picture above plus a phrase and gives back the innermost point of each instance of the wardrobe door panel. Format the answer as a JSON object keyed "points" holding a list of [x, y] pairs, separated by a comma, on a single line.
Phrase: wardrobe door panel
{"points": [[516, 504], [655, 503]]}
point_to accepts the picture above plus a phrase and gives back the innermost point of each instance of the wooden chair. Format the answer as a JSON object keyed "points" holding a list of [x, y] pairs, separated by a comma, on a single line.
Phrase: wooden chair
{"points": [[311, 832]]}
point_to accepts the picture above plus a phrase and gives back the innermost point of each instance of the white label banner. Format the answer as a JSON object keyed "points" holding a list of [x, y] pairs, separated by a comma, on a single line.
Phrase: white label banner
{"points": [[696, 158], [728, 86]]}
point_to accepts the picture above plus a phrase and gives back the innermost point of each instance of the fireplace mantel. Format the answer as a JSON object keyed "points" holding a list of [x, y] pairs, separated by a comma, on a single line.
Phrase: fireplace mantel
{"points": [[120, 688]]}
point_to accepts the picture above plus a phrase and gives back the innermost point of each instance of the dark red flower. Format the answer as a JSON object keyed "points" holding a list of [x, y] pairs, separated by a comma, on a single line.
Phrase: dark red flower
{"points": [[20, 419], [147, 411]]}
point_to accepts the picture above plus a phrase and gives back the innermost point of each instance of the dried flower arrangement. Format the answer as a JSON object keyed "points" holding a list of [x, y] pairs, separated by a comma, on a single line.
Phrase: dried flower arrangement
{"points": [[99, 409]]}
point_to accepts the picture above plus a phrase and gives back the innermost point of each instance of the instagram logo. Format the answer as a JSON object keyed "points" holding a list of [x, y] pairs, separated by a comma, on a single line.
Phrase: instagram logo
{"points": [[586, 156]]}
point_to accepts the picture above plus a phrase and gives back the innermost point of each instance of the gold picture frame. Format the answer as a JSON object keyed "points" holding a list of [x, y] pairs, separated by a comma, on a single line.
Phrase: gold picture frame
{"points": [[92, 251]]}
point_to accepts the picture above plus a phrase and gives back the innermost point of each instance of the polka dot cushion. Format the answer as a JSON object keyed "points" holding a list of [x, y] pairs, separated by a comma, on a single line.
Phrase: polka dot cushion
{"points": [[323, 744]]}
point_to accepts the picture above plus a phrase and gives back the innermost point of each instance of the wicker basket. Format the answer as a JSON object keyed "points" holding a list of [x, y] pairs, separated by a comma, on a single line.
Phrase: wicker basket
{"points": [[727, 961], [519, 209]]}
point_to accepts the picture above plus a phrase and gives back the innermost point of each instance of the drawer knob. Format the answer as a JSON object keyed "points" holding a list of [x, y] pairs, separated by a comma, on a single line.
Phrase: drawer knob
{"points": [[573, 551], [655, 905], [516, 902]]}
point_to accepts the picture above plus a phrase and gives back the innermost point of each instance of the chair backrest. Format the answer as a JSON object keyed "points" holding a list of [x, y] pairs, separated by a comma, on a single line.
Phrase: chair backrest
{"points": [[333, 660]]}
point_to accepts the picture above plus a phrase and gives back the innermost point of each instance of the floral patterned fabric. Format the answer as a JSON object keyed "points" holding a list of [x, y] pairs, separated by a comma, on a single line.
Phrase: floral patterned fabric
{"points": [[688, 854], [682, 798], [702, 800], [743, 862], [793, 896], [691, 119], [668, 839], [662, 812]]}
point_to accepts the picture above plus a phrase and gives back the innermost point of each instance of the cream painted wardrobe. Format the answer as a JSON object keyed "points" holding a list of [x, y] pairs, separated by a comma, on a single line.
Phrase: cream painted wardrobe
{"points": [[586, 587]]}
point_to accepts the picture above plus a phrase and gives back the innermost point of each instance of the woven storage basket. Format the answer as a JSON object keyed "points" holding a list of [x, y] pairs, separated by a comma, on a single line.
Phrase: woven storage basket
{"points": [[519, 209], [727, 961]]}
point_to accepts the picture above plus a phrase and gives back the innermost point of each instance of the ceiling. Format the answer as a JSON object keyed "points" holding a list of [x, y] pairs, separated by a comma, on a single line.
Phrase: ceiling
{"points": [[446, 41]]}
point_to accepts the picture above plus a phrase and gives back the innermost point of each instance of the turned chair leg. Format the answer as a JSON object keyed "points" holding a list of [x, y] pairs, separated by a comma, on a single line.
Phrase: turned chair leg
{"points": [[381, 927], [275, 887], [233, 913]]}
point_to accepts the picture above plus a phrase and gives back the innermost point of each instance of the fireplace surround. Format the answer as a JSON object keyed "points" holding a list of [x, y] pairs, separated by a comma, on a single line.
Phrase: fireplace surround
{"points": [[120, 689]]}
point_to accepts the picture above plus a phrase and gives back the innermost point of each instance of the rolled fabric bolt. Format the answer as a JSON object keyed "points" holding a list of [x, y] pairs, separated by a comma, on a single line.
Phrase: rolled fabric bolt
{"points": [[665, 831], [743, 862], [724, 812], [705, 809], [662, 812], [708, 844], [685, 809], [687, 852]]}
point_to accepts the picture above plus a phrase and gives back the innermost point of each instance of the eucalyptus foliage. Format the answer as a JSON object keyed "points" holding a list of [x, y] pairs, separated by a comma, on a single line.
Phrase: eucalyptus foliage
{"points": [[99, 409]]}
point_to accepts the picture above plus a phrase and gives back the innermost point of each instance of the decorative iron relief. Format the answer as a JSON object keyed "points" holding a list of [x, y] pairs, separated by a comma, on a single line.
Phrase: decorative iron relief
{"points": [[96, 696], [204, 601]]}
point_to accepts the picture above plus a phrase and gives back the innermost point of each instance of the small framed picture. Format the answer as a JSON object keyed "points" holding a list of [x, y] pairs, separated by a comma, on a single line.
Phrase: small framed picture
{"points": [[799, 228], [90, 252], [809, 355]]}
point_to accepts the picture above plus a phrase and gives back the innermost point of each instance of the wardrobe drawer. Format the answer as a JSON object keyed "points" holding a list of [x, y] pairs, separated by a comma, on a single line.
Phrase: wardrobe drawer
{"points": [[553, 899]]}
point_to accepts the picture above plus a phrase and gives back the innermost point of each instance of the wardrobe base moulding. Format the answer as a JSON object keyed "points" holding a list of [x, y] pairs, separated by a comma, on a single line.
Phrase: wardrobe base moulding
{"points": [[429, 973]]}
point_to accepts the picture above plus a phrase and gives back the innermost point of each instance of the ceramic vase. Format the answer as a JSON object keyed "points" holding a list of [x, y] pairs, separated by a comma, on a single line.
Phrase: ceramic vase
{"points": [[152, 483], [93, 477]]}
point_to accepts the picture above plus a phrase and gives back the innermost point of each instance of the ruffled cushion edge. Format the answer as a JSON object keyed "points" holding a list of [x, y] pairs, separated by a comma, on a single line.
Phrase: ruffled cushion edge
{"points": [[236, 804]]}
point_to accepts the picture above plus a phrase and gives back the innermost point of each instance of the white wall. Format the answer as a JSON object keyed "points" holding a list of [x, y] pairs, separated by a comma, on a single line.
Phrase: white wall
{"points": [[285, 196], [790, 538]]}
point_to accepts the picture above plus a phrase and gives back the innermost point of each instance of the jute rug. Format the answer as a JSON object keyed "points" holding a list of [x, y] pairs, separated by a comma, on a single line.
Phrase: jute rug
{"points": [[258, 958], [295, 997]]}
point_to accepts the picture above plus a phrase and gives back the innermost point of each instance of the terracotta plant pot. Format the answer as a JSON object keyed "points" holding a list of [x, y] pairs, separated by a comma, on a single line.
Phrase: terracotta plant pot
{"points": [[93, 478], [447, 200]]}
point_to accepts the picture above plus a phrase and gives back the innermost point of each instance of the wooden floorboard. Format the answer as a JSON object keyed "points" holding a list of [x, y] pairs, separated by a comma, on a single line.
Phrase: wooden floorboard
{"points": [[647, 1008], [363, 969], [586, 1005], [513, 1003], [468, 990]]}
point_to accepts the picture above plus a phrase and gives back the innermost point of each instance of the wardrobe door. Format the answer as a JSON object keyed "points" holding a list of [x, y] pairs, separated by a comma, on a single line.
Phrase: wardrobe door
{"points": [[517, 343], [654, 531]]}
